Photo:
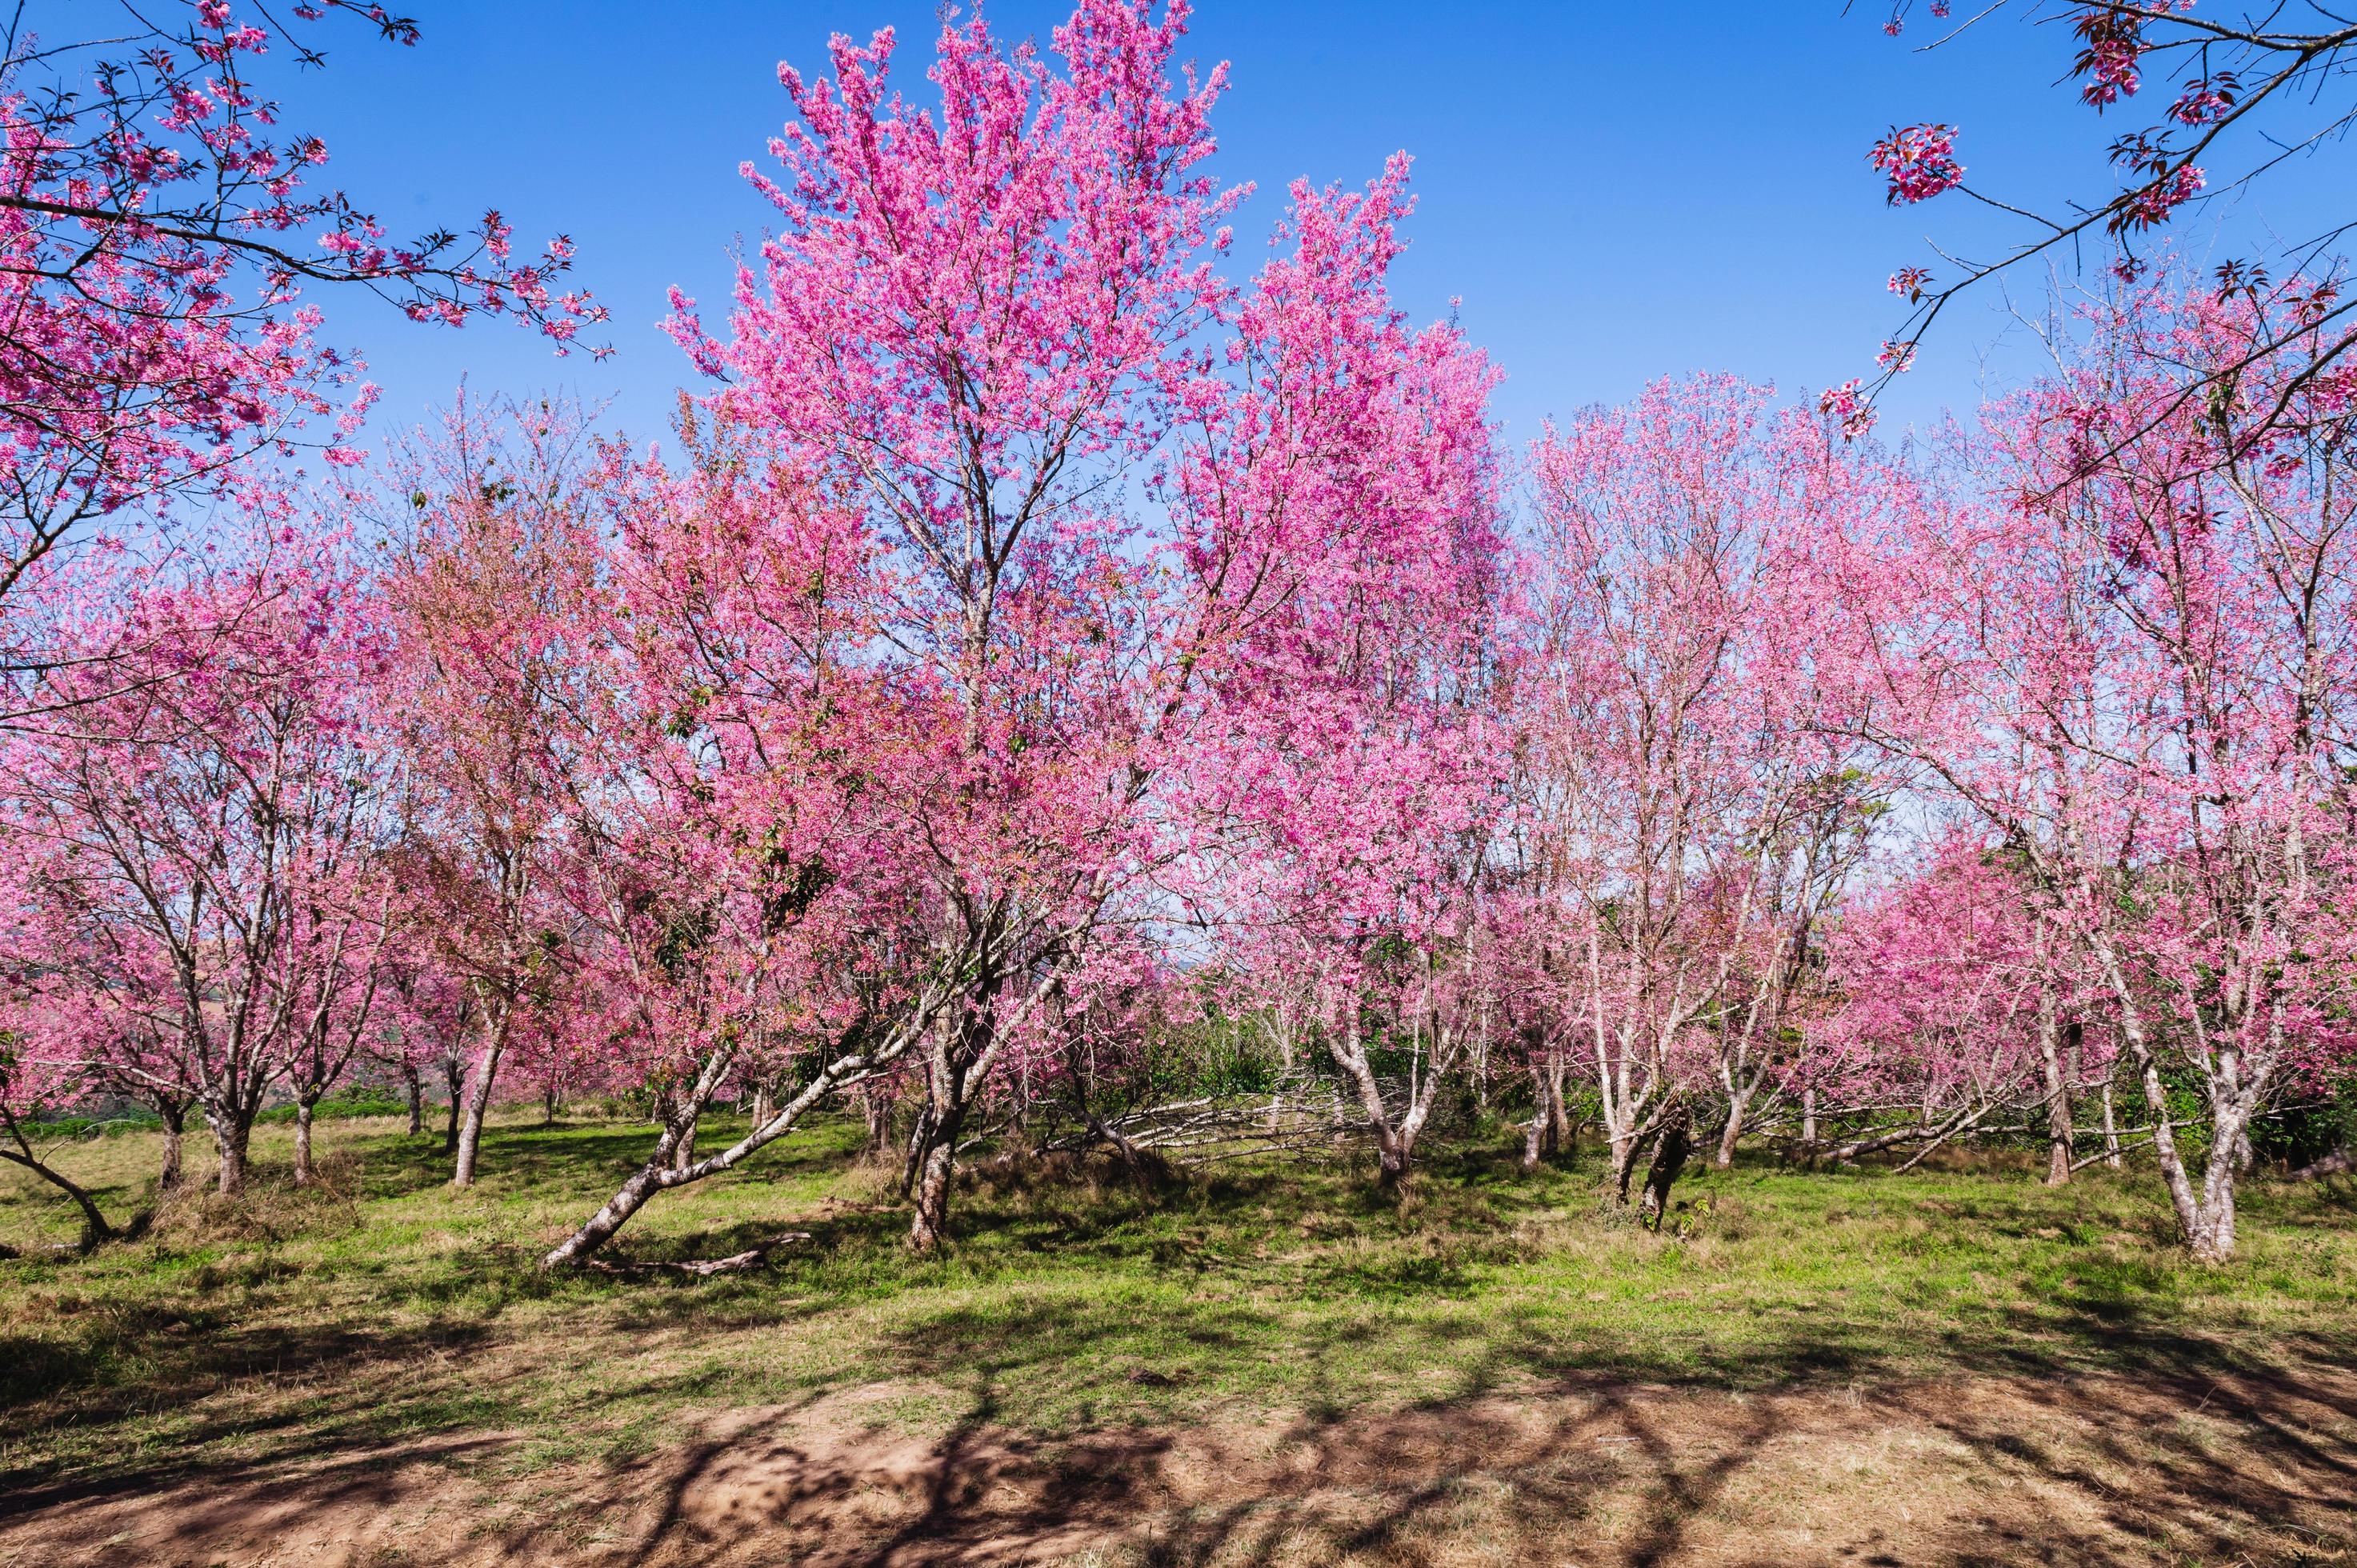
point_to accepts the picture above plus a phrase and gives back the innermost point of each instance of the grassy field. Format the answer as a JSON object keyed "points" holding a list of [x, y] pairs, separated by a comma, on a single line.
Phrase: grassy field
{"points": [[1267, 1364]]}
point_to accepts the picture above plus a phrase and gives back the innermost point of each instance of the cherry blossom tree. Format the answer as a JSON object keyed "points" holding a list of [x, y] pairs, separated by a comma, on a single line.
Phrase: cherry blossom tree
{"points": [[736, 854], [1093, 466], [188, 830], [2133, 662], [500, 655], [1694, 797]]}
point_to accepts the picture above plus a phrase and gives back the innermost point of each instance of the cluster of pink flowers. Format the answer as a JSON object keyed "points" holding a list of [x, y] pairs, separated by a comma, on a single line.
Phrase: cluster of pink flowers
{"points": [[1920, 162]]}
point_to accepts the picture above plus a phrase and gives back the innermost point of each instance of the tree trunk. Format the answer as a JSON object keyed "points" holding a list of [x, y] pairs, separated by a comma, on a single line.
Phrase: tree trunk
{"points": [[662, 1171], [929, 1224], [683, 1155], [1671, 1147], [94, 1228], [304, 1173], [763, 1104], [1561, 1135], [231, 1135], [912, 1159], [1737, 1103], [876, 1105], [1808, 1127], [960, 1050], [548, 1103], [1394, 1142], [176, 1128], [415, 1084], [599, 1229], [932, 1151], [2111, 1131], [1626, 1149], [455, 1085], [1542, 1123], [2339, 1162], [470, 1124], [2051, 1038]]}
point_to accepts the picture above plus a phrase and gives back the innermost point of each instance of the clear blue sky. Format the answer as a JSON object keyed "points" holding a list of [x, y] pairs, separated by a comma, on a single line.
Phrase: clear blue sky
{"points": [[1617, 191]]}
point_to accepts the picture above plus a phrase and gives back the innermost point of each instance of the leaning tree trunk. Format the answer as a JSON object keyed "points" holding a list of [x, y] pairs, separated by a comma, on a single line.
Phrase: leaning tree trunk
{"points": [[2339, 1162], [94, 1228], [478, 1102], [1739, 1101], [665, 1170]]}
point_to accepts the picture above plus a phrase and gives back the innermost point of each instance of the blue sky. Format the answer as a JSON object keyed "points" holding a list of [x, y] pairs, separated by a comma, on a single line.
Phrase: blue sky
{"points": [[1615, 191]]}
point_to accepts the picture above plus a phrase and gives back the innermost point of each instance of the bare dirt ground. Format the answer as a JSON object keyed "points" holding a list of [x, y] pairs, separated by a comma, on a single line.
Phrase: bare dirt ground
{"points": [[1993, 1470]]}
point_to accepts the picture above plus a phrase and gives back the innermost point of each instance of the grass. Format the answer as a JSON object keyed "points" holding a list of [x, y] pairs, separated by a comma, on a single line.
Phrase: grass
{"points": [[386, 1309]]}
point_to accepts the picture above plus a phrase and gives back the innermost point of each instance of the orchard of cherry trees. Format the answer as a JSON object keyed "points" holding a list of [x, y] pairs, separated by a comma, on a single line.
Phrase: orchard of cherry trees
{"points": [[1074, 680]]}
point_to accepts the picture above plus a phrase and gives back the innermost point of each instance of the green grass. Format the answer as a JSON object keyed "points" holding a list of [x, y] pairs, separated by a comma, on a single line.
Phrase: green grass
{"points": [[388, 1308]]}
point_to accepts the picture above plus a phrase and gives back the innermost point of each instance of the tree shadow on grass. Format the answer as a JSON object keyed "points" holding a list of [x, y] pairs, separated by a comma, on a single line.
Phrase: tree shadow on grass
{"points": [[1091, 1395]]}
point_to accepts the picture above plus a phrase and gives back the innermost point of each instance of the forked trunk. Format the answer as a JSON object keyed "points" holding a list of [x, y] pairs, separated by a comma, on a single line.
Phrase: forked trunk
{"points": [[937, 1167], [663, 1169], [1671, 1146], [1394, 1142]]}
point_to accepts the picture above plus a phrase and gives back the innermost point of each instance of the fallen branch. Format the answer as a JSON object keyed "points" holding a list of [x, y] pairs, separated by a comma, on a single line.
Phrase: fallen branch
{"points": [[2338, 1163], [702, 1268]]}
